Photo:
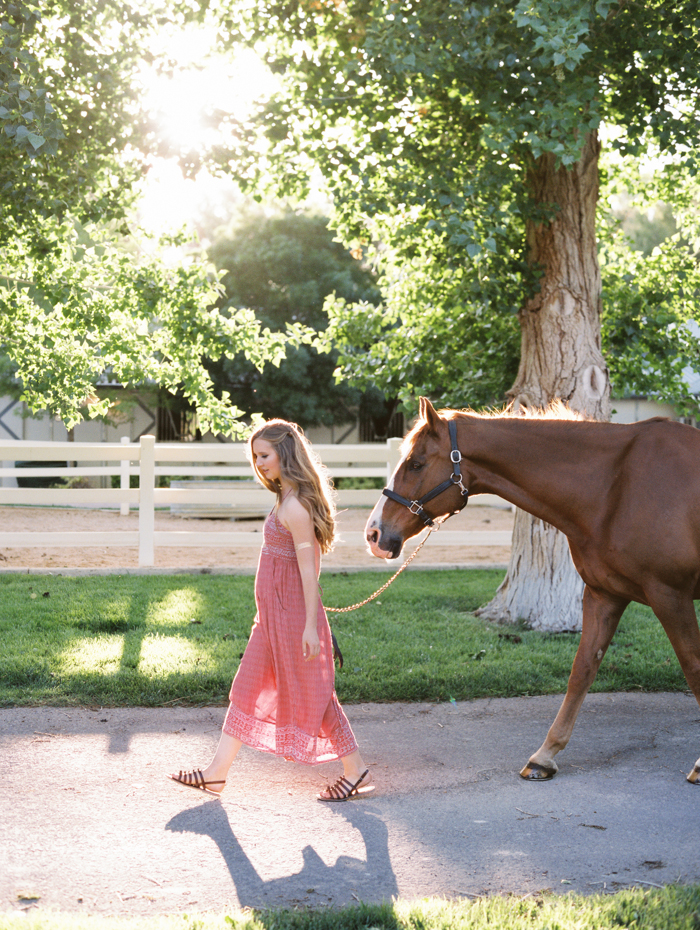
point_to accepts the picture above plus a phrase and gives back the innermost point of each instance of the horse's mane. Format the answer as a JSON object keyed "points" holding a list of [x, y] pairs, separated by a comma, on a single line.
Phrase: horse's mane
{"points": [[556, 410]]}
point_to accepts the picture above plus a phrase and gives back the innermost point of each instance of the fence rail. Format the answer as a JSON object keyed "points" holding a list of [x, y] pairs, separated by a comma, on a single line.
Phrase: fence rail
{"points": [[149, 460]]}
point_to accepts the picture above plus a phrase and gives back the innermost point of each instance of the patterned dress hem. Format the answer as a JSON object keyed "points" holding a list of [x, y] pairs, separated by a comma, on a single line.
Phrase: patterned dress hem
{"points": [[287, 741]]}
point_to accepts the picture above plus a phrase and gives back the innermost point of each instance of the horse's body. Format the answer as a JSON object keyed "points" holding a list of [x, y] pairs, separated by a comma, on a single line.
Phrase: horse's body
{"points": [[626, 496]]}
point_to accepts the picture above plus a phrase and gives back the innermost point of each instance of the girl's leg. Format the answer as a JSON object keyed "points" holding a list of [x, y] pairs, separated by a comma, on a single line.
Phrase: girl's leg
{"points": [[226, 752], [353, 766]]}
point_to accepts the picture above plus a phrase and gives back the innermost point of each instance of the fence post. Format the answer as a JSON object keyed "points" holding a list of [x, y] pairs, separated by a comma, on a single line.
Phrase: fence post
{"points": [[124, 482], [147, 482], [393, 456]]}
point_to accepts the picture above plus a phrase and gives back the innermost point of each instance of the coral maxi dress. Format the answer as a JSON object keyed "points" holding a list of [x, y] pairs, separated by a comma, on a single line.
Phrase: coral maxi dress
{"points": [[281, 703]]}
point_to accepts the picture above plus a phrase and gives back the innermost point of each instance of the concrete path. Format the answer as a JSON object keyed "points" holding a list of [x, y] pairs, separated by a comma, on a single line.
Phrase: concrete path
{"points": [[90, 823]]}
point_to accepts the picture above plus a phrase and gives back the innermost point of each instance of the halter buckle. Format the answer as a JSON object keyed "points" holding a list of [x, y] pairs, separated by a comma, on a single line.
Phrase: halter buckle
{"points": [[455, 457], [418, 506]]}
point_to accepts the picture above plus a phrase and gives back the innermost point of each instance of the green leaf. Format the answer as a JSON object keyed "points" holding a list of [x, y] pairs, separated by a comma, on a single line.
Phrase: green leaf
{"points": [[36, 140]]}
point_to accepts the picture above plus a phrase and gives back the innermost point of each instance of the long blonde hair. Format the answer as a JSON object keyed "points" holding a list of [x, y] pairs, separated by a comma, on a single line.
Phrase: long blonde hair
{"points": [[303, 469]]}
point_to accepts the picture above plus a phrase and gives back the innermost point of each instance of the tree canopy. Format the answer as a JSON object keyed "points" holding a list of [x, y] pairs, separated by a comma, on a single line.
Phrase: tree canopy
{"points": [[80, 293], [430, 122], [72, 130]]}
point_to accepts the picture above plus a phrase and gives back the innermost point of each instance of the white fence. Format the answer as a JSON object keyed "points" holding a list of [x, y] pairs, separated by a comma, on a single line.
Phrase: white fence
{"points": [[149, 460]]}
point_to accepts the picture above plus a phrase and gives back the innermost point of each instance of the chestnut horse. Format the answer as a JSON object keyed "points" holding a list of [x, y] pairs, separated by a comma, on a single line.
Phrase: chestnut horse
{"points": [[627, 497]]}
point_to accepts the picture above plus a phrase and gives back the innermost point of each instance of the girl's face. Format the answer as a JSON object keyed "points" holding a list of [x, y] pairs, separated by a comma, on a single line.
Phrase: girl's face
{"points": [[266, 460]]}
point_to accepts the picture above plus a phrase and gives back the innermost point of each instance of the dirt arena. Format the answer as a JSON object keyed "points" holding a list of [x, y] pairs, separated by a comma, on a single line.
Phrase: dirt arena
{"points": [[55, 519]]}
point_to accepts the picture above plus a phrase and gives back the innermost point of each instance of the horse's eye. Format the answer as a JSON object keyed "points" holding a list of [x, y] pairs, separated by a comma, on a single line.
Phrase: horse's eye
{"points": [[416, 466]]}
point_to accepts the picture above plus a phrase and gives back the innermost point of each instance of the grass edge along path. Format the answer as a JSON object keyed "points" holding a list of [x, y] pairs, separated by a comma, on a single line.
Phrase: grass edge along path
{"points": [[154, 641], [675, 907]]}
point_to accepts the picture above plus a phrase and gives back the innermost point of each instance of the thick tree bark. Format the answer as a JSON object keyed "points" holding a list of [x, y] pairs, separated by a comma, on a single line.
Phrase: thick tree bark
{"points": [[561, 358]]}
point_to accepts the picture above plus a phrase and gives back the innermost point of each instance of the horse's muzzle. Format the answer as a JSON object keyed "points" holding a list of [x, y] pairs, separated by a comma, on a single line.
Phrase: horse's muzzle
{"points": [[384, 545]]}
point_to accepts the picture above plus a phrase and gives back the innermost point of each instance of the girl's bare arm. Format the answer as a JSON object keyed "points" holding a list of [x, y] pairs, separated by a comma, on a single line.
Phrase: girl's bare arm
{"points": [[297, 519]]}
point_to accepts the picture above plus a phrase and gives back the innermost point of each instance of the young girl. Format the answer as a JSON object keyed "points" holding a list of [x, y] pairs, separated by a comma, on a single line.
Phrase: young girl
{"points": [[283, 696]]}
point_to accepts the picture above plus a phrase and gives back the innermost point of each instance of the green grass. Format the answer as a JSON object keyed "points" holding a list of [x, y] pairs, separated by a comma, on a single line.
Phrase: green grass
{"points": [[154, 640], [672, 908]]}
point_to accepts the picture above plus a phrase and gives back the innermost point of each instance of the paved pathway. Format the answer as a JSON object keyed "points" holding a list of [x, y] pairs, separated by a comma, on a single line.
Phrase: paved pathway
{"points": [[90, 823]]}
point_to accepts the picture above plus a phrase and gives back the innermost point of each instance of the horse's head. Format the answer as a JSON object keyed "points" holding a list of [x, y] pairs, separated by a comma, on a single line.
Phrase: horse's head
{"points": [[425, 481]]}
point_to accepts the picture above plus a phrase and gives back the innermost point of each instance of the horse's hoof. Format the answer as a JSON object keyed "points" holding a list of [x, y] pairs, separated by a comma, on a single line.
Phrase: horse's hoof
{"points": [[694, 777], [533, 771]]}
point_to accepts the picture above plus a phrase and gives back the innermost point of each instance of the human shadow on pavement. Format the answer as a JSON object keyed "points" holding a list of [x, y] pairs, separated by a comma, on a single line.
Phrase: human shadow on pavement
{"points": [[347, 881]]}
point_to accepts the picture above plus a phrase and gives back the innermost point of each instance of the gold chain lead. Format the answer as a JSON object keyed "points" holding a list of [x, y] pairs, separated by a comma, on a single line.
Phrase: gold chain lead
{"points": [[344, 610]]}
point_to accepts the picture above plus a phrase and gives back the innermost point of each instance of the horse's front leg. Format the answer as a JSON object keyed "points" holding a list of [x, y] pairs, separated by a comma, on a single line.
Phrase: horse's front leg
{"points": [[601, 614]]}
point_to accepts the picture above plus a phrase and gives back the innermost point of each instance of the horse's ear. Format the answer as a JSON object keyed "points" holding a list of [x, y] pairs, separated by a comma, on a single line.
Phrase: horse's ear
{"points": [[429, 414]]}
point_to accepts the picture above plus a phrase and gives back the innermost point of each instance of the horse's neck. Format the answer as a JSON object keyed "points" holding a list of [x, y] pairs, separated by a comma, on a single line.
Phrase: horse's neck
{"points": [[538, 465]]}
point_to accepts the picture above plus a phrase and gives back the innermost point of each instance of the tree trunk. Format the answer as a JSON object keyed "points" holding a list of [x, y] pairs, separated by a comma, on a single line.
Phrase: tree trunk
{"points": [[560, 358]]}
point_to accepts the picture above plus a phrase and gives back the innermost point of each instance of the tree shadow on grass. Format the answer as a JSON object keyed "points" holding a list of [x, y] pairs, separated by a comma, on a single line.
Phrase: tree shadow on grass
{"points": [[347, 881]]}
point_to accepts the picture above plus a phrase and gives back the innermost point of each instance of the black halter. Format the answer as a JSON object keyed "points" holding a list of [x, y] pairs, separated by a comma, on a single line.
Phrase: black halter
{"points": [[455, 478]]}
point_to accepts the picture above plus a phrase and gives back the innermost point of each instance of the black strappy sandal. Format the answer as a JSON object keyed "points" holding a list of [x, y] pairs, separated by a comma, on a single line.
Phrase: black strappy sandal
{"points": [[195, 779], [344, 790]]}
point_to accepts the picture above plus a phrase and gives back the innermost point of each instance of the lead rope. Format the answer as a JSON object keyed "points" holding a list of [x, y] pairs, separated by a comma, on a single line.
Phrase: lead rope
{"points": [[345, 610]]}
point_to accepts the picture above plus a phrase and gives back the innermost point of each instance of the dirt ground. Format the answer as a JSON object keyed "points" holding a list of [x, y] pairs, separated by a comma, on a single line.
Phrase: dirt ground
{"points": [[53, 519]]}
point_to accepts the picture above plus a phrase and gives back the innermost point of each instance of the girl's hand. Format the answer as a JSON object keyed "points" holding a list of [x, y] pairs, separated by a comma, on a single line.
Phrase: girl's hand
{"points": [[310, 643]]}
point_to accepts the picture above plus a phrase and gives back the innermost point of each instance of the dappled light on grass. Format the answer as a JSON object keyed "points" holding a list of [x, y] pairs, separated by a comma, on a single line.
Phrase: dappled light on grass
{"points": [[102, 655], [162, 656], [182, 605], [121, 640], [154, 656]]}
